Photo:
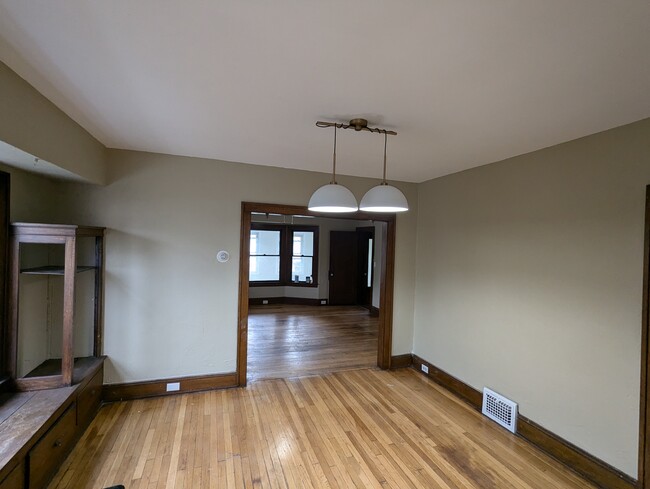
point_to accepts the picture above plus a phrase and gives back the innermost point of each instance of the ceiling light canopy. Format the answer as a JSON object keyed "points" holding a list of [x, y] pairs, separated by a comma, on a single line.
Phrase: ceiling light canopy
{"points": [[337, 198]]}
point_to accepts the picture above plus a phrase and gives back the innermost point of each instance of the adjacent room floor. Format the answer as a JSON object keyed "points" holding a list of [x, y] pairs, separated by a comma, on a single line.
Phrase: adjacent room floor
{"points": [[288, 340], [358, 428]]}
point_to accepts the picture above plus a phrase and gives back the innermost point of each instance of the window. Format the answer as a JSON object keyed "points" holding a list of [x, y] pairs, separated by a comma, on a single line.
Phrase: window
{"points": [[265, 255], [302, 258], [283, 255]]}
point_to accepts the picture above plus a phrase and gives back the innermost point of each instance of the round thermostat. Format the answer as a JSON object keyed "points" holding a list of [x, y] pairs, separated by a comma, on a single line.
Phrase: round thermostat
{"points": [[223, 256]]}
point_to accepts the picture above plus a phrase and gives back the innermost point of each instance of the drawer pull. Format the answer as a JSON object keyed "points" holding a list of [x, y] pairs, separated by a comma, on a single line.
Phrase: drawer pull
{"points": [[58, 443]]}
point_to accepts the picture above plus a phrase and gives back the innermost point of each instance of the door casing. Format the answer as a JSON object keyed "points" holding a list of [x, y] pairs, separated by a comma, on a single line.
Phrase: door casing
{"points": [[644, 411], [385, 330]]}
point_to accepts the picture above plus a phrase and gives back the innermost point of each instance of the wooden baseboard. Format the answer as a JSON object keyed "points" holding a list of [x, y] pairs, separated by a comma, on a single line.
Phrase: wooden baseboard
{"points": [[153, 388], [594, 469], [401, 361], [301, 301], [451, 383], [566, 452]]}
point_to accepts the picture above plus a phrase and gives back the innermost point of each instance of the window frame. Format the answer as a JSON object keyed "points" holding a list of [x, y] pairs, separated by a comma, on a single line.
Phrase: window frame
{"points": [[286, 254], [266, 283]]}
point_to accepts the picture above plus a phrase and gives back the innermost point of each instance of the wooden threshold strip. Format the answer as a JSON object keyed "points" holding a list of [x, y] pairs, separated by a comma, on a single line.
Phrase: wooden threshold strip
{"points": [[570, 455], [154, 388]]}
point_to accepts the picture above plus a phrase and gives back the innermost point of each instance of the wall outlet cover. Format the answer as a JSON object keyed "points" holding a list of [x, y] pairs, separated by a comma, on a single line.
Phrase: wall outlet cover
{"points": [[173, 386], [425, 368]]}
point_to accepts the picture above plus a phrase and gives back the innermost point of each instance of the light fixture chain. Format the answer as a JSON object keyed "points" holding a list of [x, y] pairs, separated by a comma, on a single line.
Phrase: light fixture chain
{"points": [[334, 159], [383, 182]]}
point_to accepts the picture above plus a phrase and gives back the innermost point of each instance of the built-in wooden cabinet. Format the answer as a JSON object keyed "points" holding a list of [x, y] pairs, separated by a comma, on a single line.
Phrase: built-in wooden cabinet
{"points": [[54, 389], [39, 428], [15, 479], [59, 256]]}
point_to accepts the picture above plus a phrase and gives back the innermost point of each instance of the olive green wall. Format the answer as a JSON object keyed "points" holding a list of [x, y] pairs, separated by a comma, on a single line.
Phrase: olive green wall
{"points": [[35, 125], [529, 281]]}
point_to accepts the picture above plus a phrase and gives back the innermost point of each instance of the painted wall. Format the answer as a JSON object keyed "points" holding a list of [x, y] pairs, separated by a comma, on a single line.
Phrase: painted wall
{"points": [[529, 281], [34, 124], [171, 308], [33, 197]]}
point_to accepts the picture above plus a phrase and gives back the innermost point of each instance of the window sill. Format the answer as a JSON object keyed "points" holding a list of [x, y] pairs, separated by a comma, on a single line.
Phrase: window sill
{"points": [[281, 284]]}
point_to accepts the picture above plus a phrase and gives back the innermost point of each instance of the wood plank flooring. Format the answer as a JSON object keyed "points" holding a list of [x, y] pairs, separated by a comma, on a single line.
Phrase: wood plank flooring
{"points": [[289, 341], [352, 429]]}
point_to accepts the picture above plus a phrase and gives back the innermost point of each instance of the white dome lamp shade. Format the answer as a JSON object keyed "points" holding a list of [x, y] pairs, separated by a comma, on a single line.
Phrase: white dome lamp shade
{"points": [[333, 197], [384, 197]]}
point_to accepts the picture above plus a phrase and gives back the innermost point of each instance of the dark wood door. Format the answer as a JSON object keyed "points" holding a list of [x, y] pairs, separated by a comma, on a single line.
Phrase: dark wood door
{"points": [[343, 268], [365, 240]]}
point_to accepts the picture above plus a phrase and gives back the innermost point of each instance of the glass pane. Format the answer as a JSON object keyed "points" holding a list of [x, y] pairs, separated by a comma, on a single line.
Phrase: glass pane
{"points": [[264, 268], [265, 242], [297, 244], [303, 243], [301, 268], [369, 274]]}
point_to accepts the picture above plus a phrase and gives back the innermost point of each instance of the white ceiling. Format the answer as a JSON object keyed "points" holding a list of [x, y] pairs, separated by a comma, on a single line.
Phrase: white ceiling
{"points": [[464, 83]]}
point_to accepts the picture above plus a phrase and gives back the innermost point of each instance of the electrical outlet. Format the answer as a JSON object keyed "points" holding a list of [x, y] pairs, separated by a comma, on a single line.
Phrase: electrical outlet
{"points": [[264, 301], [173, 386], [323, 302], [425, 368]]}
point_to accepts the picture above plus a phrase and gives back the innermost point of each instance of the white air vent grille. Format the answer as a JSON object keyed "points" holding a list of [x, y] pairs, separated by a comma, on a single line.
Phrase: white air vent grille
{"points": [[500, 409]]}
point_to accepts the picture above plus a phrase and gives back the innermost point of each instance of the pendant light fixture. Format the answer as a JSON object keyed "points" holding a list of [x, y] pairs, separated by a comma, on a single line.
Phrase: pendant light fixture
{"points": [[337, 198], [333, 197], [384, 197]]}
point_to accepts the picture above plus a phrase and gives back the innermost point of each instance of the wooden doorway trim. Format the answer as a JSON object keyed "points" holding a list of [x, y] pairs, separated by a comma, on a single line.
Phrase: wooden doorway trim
{"points": [[644, 411], [385, 332]]}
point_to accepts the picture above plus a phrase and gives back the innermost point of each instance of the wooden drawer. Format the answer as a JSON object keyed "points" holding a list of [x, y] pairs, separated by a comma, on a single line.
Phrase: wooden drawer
{"points": [[52, 448], [89, 399], [15, 479]]}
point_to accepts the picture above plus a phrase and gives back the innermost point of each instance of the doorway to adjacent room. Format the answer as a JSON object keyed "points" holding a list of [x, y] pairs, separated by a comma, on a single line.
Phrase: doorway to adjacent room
{"points": [[301, 315]]}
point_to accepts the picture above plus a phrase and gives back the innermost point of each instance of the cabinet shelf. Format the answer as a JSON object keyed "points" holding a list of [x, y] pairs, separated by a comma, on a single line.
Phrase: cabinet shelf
{"points": [[81, 368], [53, 270]]}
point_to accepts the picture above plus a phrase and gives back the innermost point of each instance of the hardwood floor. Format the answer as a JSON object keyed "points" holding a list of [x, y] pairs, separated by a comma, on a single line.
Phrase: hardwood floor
{"points": [[358, 428], [289, 341]]}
